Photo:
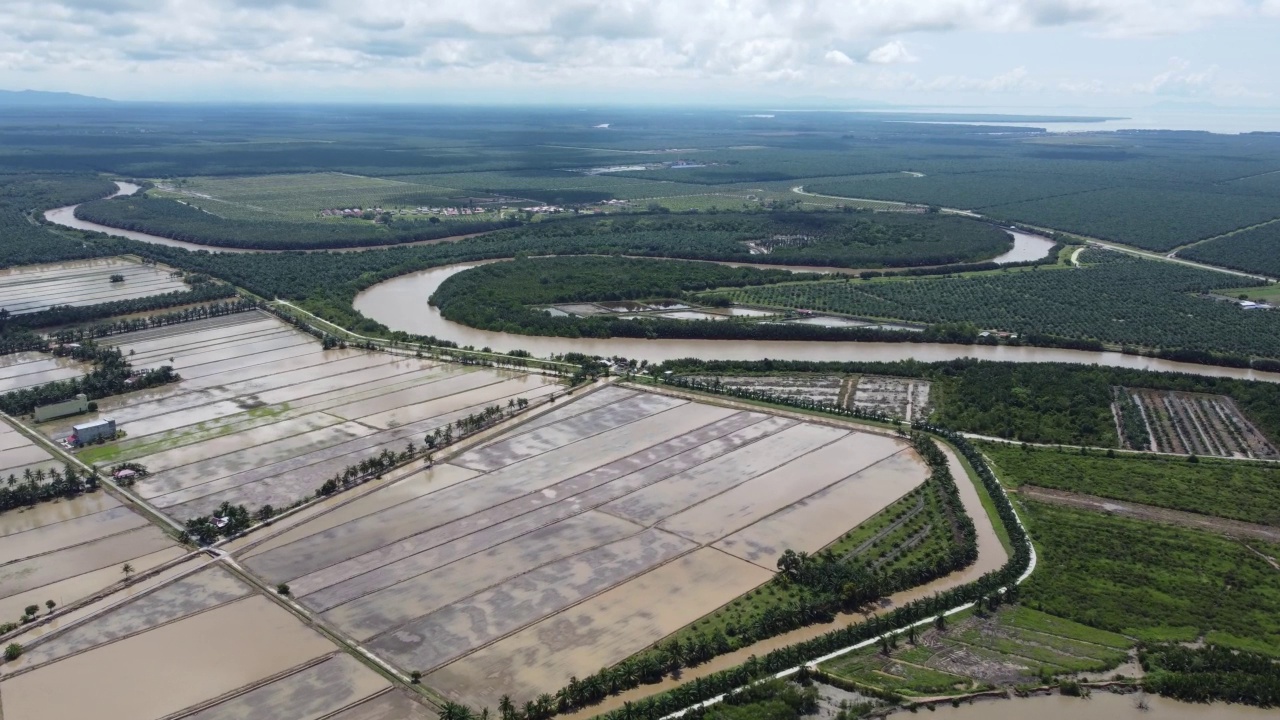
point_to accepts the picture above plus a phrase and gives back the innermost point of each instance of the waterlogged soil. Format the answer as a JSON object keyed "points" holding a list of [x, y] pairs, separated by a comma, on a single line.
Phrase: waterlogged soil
{"points": [[43, 514], [164, 670], [307, 694], [197, 592], [457, 629], [38, 287], [393, 705], [36, 572], [536, 557], [78, 587], [815, 521], [599, 632], [265, 416], [56, 536], [1100, 704]]}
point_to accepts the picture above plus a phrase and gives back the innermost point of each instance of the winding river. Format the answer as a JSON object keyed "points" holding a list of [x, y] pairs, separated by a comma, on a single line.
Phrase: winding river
{"points": [[401, 304]]}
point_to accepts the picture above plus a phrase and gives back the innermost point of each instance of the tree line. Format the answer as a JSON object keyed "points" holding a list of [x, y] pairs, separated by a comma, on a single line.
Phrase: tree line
{"points": [[39, 485], [111, 375], [179, 221]]}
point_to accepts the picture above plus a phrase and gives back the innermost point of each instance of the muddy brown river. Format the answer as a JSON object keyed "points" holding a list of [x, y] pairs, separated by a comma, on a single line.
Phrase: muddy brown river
{"points": [[401, 304], [1101, 704]]}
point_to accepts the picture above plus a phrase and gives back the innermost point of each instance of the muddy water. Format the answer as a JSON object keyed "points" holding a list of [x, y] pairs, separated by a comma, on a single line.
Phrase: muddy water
{"points": [[1101, 704], [1026, 247], [164, 670], [401, 304], [991, 556], [598, 632]]}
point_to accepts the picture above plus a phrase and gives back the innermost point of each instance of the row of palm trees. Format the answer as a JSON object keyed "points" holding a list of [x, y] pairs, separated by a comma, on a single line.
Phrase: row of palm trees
{"points": [[40, 484]]}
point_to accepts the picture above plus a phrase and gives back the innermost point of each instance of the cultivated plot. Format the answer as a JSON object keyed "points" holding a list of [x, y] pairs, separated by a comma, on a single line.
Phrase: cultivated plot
{"points": [[68, 549], [1194, 423], [32, 288], [20, 458], [264, 415], [27, 369], [579, 538], [203, 645]]}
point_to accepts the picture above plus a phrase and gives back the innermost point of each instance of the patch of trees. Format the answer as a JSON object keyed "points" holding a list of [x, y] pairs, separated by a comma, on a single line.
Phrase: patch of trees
{"points": [[74, 314], [1211, 673], [111, 375], [23, 242], [831, 239], [1256, 250], [1056, 403], [1118, 299], [35, 486], [225, 522], [179, 221], [1133, 428], [126, 325]]}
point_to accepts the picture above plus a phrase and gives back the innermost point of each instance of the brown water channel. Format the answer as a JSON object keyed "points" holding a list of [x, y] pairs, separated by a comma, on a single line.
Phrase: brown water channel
{"points": [[1101, 704], [401, 304]]}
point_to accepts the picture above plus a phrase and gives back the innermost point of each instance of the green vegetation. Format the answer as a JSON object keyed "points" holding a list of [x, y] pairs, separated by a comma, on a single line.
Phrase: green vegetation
{"points": [[1057, 403], [1224, 488], [1256, 250], [1143, 579], [111, 375], [834, 239], [1119, 299], [59, 315], [22, 242], [179, 221], [39, 486], [1013, 645], [901, 546], [1212, 673]]}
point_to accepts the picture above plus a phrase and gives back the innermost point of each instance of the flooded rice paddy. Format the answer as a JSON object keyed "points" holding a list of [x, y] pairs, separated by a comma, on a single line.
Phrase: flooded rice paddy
{"points": [[18, 454], [27, 369], [68, 549], [199, 645], [578, 538], [264, 415], [32, 288]]}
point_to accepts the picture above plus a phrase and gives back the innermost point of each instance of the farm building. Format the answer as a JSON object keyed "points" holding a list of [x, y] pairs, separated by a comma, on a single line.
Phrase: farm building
{"points": [[74, 406], [85, 433]]}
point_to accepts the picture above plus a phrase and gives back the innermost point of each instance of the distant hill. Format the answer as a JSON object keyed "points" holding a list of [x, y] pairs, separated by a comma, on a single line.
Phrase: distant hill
{"points": [[33, 98]]}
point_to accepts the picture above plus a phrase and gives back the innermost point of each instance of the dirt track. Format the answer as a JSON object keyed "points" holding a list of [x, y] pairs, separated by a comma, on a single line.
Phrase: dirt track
{"points": [[1222, 526]]}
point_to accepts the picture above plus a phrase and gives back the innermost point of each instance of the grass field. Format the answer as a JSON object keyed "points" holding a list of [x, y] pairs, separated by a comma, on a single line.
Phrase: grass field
{"points": [[1231, 489], [1152, 581], [1013, 646], [301, 197]]}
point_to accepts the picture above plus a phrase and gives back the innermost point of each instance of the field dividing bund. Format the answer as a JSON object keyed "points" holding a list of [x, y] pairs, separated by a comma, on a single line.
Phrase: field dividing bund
{"points": [[578, 538], [67, 549], [264, 415], [84, 282], [26, 369]]}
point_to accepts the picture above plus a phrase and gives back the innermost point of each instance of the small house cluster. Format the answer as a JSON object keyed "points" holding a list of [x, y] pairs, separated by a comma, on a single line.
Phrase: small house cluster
{"points": [[1251, 305]]}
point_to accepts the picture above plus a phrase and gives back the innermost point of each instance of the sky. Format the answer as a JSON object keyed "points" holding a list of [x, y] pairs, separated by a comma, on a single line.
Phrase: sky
{"points": [[1076, 54]]}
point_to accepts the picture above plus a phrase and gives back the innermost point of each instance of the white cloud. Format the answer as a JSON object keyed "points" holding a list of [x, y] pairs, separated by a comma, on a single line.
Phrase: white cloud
{"points": [[835, 57], [891, 53], [310, 44], [1178, 79]]}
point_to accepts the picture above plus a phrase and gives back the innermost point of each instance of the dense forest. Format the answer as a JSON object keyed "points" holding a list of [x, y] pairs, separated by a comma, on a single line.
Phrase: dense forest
{"points": [[1118, 299], [1256, 250], [503, 296], [179, 221], [1034, 402], [22, 241]]}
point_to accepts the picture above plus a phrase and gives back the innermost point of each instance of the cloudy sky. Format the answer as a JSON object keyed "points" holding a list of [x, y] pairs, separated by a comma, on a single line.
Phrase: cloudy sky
{"points": [[995, 53]]}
